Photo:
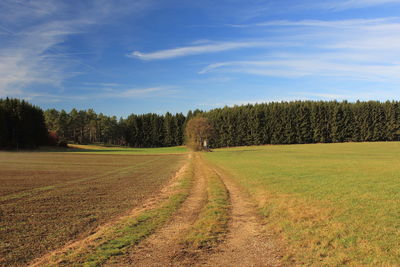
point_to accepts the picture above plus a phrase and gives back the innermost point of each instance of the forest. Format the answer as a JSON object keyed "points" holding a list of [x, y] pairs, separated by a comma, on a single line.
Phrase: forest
{"points": [[22, 125], [302, 122], [88, 127], [296, 122]]}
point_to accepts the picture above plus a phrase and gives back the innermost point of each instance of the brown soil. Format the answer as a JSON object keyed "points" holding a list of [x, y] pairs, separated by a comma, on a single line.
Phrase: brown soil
{"points": [[248, 242], [162, 248], [65, 197], [53, 257]]}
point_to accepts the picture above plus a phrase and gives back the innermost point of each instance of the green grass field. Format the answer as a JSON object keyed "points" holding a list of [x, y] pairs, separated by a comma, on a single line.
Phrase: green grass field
{"points": [[331, 204]]}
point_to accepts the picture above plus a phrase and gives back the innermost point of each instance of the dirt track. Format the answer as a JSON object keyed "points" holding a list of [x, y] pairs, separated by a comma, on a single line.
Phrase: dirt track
{"points": [[164, 247], [246, 244]]}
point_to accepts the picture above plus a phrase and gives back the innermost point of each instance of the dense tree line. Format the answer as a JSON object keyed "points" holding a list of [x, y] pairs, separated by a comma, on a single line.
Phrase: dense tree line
{"points": [[147, 130], [21, 125], [84, 126], [301, 122], [152, 130]]}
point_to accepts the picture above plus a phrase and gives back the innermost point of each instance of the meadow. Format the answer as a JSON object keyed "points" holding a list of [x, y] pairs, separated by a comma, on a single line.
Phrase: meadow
{"points": [[50, 198], [329, 204], [315, 204]]}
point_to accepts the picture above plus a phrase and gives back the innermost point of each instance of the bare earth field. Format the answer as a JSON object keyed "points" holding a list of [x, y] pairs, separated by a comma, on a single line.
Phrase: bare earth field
{"points": [[199, 218], [313, 205], [48, 199]]}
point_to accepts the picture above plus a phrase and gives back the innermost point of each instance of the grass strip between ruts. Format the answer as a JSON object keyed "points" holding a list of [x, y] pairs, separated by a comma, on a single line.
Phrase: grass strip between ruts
{"points": [[213, 219]]}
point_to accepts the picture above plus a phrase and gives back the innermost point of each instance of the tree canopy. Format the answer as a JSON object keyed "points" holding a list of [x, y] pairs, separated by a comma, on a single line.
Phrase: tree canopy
{"points": [[297, 122], [22, 125], [198, 130]]}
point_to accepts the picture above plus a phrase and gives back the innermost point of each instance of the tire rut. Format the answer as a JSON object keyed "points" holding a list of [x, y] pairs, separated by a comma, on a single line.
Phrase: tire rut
{"points": [[163, 247], [248, 243]]}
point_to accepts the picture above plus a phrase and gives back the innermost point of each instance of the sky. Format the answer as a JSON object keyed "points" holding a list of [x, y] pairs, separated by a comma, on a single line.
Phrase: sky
{"points": [[138, 56]]}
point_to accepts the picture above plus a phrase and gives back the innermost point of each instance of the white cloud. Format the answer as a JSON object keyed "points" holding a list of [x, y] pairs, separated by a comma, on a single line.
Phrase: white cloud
{"points": [[357, 49], [349, 4], [195, 50], [349, 23], [23, 61], [350, 95], [142, 92], [330, 96], [301, 67], [100, 91], [115, 90], [33, 50]]}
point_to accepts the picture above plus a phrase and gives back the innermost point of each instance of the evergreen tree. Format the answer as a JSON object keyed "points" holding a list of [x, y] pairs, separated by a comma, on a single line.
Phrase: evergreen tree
{"points": [[22, 125], [295, 122]]}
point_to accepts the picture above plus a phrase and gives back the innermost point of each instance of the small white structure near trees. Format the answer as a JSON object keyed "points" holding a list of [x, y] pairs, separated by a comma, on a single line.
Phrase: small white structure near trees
{"points": [[198, 132]]}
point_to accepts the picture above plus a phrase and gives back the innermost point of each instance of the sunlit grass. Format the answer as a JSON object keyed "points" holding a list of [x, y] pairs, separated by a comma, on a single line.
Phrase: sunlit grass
{"points": [[212, 223], [332, 203]]}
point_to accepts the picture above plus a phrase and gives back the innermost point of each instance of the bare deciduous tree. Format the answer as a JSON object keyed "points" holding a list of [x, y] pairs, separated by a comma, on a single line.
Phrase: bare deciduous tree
{"points": [[198, 132]]}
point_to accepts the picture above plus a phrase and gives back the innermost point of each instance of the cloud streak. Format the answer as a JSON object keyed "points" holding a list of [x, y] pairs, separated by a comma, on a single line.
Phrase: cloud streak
{"points": [[109, 91], [33, 51], [348, 23], [141, 92], [357, 49], [195, 50], [350, 4], [301, 67]]}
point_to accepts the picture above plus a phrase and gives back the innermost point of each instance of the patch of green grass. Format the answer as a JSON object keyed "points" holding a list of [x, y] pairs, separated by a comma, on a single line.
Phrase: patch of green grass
{"points": [[132, 230], [333, 204], [212, 223]]}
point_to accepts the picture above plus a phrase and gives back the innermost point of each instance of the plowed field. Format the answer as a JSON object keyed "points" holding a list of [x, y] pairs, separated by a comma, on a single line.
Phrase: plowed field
{"points": [[48, 199]]}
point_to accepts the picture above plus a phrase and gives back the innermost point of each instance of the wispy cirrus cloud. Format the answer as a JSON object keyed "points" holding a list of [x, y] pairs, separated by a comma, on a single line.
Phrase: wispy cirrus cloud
{"points": [[300, 67], [347, 23], [196, 50], [349, 4], [158, 91], [120, 90], [33, 36], [330, 96], [350, 95], [101, 91], [357, 49]]}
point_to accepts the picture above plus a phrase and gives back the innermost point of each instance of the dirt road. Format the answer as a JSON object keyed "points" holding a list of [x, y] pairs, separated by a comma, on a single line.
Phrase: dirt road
{"points": [[246, 243]]}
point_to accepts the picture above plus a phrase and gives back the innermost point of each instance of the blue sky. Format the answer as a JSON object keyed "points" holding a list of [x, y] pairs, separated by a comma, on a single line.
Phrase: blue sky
{"points": [[121, 57]]}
